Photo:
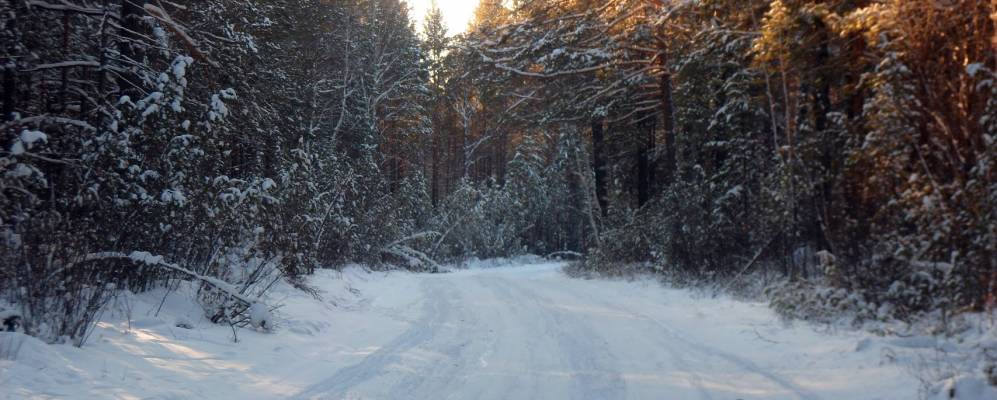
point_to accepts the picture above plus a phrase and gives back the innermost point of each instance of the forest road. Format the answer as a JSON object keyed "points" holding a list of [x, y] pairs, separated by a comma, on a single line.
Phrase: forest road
{"points": [[531, 332]]}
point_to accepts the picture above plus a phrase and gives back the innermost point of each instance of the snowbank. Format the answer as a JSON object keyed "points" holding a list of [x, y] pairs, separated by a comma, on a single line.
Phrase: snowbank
{"points": [[499, 330], [168, 350]]}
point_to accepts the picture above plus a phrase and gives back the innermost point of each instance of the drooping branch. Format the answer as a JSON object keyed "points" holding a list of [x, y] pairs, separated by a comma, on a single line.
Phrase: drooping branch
{"points": [[148, 259], [162, 16]]}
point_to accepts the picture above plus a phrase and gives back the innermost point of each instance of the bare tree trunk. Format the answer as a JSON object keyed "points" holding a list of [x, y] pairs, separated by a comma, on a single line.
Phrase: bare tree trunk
{"points": [[668, 124], [503, 156], [434, 184], [584, 184], [643, 191], [993, 16], [64, 87], [462, 146], [9, 88], [9, 84], [652, 161], [102, 71], [599, 165], [822, 106], [667, 119], [645, 163], [129, 47]]}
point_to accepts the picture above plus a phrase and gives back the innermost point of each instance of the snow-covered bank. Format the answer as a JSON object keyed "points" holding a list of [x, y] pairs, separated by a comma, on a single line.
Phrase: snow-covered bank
{"points": [[504, 332], [153, 357]]}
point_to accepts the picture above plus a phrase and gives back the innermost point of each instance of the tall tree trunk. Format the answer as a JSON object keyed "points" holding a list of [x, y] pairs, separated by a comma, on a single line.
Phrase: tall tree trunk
{"points": [[644, 165], [64, 87], [462, 146], [129, 47], [667, 119], [668, 124], [9, 88], [599, 165], [652, 153], [102, 71], [821, 107], [8, 95], [993, 17], [434, 191], [503, 156]]}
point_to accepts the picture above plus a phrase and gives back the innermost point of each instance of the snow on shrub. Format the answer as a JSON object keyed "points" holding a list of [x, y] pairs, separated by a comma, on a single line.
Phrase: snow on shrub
{"points": [[259, 316]]}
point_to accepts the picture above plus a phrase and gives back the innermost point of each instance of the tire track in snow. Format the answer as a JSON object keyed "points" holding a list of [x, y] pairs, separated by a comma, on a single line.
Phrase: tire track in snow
{"points": [[466, 318], [588, 354], [436, 311], [676, 355], [739, 362], [460, 347], [517, 312]]}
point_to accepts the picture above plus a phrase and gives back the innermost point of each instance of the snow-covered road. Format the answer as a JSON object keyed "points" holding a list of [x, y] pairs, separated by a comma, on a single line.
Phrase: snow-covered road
{"points": [[533, 333], [514, 332]]}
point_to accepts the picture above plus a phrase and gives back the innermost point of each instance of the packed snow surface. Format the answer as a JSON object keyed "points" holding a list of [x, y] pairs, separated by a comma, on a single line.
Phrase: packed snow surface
{"points": [[505, 332]]}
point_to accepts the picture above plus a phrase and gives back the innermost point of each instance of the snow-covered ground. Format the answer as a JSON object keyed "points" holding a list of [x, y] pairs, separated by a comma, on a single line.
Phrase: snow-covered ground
{"points": [[508, 332]]}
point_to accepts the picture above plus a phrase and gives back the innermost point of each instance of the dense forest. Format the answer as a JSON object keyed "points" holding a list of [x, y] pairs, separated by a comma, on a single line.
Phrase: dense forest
{"points": [[235, 143]]}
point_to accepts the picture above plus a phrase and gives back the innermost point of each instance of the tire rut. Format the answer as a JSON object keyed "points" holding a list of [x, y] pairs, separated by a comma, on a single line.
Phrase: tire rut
{"points": [[589, 359], [436, 311], [739, 362]]}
